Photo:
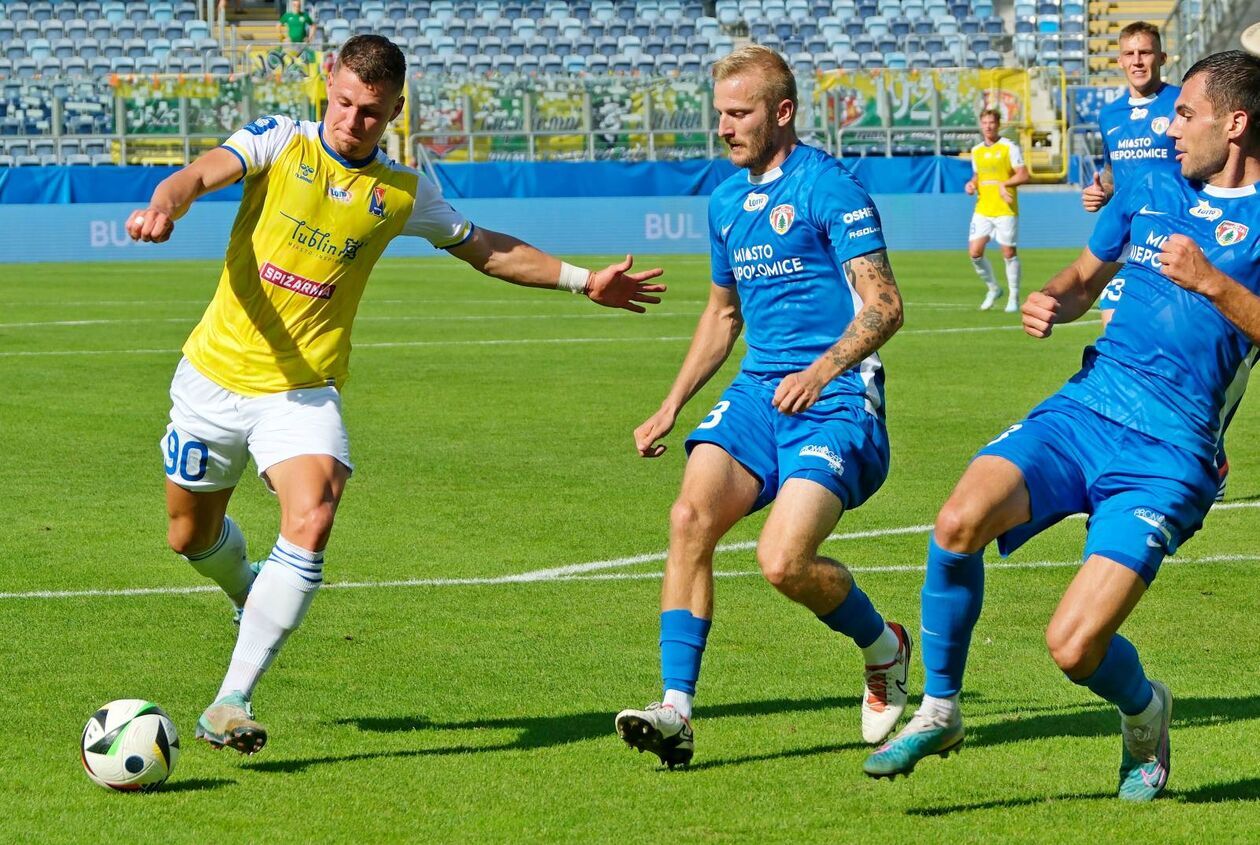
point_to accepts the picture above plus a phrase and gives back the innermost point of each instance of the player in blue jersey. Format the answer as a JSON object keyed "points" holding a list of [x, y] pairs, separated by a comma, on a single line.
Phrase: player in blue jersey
{"points": [[1135, 138], [1128, 440], [798, 257]]}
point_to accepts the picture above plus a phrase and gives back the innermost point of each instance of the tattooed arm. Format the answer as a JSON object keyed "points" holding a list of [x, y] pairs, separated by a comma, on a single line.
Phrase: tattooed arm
{"points": [[879, 317]]}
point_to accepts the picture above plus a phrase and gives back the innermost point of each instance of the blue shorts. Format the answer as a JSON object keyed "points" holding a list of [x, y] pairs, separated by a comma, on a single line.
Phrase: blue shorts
{"points": [[833, 443], [1145, 497]]}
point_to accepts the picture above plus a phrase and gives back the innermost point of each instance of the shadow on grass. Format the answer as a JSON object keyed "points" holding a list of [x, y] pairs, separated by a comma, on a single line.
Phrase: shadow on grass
{"points": [[551, 731], [1213, 793], [195, 785], [1104, 721]]}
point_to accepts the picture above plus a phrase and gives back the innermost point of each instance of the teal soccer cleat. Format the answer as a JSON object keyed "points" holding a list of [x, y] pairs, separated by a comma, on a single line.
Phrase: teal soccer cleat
{"points": [[1144, 756], [922, 737]]}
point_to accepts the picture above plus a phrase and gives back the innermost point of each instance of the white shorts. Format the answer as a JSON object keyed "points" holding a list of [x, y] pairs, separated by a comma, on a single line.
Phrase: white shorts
{"points": [[1002, 229], [213, 432]]}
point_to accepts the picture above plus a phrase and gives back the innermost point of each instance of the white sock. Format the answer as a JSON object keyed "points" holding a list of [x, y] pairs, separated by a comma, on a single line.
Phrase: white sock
{"points": [[680, 701], [985, 271], [1153, 712], [884, 650], [226, 563], [943, 711], [1012, 276], [279, 599]]}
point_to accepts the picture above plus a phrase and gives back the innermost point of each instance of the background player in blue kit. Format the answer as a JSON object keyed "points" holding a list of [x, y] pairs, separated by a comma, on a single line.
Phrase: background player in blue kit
{"points": [[1129, 439], [798, 256]]}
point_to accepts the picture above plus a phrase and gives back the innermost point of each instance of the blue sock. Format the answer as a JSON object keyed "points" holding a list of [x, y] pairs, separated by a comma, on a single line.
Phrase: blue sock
{"points": [[682, 644], [950, 605], [856, 618], [1120, 679]]}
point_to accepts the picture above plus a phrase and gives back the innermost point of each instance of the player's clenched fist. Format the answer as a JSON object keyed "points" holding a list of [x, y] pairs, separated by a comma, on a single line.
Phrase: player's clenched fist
{"points": [[1184, 262], [1039, 312], [150, 225]]}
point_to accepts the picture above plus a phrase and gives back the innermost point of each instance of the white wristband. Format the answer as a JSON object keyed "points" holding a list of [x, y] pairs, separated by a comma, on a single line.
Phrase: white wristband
{"points": [[573, 278]]}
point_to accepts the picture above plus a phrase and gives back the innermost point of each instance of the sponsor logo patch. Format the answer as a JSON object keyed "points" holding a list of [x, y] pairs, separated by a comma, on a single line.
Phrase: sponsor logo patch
{"points": [[1159, 125], [1205, 211], [376, 202], [339, 194], [261, 125], [781, 217], [280, 277], [833, 460], [755, 201], [1159, 522], [1137, 113], [312, 239], [1229, 233], [305, 173]]}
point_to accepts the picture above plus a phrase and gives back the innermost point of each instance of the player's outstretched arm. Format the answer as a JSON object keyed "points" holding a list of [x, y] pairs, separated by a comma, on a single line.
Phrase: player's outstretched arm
{"points": [[719, 326], [1067, 295], [1183, 261], [515, 261], [877, 320], [175, 194]]}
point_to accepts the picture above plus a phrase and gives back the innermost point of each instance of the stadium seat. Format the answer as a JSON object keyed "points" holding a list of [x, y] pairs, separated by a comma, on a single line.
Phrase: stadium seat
{"points": [[872, 61], [1047, 23], [38, 48], [989, 59]]}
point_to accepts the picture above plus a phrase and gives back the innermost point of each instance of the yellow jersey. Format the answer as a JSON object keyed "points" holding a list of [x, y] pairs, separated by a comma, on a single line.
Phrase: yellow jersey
{"points": [[310, 228], [992, 165]]}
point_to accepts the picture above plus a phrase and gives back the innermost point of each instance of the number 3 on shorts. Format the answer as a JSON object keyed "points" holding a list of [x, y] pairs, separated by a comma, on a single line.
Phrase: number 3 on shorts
{"points": [[187, 463], [715, 416]]}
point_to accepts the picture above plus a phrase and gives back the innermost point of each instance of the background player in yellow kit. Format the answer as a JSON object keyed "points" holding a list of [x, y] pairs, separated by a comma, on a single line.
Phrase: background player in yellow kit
{"points": [[998, 167], [261, 372]]}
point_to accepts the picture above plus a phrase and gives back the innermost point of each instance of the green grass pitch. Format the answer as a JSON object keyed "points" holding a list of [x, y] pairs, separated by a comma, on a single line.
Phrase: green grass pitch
{"points": [[492, 431]]}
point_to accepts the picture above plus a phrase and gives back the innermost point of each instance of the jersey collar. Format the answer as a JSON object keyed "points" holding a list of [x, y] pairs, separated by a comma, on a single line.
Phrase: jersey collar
{"points": [[1146, 101], [771, 175], [353, 164], [1230, 193]]}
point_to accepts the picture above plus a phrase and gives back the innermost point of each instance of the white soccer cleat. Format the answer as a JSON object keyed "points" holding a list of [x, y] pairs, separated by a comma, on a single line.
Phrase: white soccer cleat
{"points": [[884, 697], [989, 299], [1012, 305], [660, 729]]}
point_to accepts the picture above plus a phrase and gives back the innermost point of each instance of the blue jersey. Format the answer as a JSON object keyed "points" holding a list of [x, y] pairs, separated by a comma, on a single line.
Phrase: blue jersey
{"points": [[1135, 134], [782, 240], [1170, 365]]}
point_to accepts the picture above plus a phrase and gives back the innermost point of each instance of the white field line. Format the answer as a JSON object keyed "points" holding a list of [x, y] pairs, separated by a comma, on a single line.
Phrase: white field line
{"points": [[406, 318], [582, 571], [488, 342]]}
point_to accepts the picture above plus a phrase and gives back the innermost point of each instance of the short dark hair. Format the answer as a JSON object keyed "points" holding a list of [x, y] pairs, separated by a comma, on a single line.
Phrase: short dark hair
{"points": [[996, 114], [375, 60], [1232, 84], [1142, 27]]}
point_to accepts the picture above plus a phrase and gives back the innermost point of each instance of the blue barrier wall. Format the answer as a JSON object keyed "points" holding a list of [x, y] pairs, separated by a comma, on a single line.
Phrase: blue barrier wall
{"points": [[94, 232], [495, 180]]}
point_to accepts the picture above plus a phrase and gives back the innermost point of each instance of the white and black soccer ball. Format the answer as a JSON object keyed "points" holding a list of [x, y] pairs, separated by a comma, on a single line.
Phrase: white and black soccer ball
{"points": [[130, 744]]}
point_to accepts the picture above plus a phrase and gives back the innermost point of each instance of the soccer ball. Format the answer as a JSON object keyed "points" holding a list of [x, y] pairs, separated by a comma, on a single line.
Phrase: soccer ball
{"points": [[130, 744]]}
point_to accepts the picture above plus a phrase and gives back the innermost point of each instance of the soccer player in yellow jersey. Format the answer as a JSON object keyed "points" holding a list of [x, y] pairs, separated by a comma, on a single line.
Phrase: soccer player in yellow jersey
{"points": [[262, 371], [998, 167]]}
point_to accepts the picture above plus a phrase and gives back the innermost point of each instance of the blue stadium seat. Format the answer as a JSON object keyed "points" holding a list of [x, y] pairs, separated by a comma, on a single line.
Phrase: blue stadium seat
{"points": [[41, 11], [100, 30], [871, 61], [887, 44], [1073, 23], [924, 26], [947, 26], [944, 58], [76, 29], [897, 60], [98, 66], [89, 48], [919, 59], [597, 65], [1048, 23]]}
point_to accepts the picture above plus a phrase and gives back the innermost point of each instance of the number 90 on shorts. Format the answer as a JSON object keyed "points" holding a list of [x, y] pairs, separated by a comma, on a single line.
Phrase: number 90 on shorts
{"points": [[186, 459]]}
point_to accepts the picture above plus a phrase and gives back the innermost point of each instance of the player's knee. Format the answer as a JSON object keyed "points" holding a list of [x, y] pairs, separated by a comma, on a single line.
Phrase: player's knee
{"points": [[781, 566], [185, 537], [309, 527], [1073, 651], [957, 527], [689, 522]]}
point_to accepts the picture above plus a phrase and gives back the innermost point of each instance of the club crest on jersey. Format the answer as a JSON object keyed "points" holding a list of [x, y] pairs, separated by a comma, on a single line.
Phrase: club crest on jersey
{"points": [[1159, 125], [781, 217], [1229, 233], [339, 194], [755, 201], [1137, 113], [376, 202], [305, 173], [1205, 211]]}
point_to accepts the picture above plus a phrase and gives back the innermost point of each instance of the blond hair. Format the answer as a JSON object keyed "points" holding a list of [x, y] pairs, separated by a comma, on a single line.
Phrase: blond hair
{"points": [[777, 82], [996, 114]]}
